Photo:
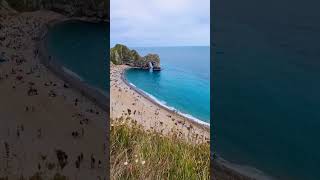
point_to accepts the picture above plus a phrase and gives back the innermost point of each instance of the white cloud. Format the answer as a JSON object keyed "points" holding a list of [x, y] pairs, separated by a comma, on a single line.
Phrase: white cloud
{"points": [[160, 22]]}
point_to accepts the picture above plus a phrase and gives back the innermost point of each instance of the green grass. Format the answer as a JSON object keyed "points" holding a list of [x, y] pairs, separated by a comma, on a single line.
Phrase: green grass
{"points": [[163, 157]]}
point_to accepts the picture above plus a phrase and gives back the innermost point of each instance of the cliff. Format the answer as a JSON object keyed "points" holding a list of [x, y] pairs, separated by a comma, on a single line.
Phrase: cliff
{"points": [[98, 9], [121, 54]]}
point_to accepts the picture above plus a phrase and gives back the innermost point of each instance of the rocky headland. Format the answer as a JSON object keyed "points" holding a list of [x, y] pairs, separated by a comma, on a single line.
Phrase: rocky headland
{"points": [[122, 55]]}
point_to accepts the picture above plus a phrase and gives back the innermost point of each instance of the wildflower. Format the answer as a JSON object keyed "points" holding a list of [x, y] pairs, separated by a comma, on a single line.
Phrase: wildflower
{"points": [[136, 160], [125, 163], [143, 162], [136, 156]]}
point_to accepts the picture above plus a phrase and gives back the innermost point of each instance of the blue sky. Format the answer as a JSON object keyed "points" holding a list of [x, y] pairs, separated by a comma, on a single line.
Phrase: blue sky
{"points": [[143, 23]]}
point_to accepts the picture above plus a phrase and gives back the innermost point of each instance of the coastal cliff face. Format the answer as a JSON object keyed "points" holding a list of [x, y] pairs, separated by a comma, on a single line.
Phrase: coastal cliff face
{"points": [[121, 54], [98, 9]]}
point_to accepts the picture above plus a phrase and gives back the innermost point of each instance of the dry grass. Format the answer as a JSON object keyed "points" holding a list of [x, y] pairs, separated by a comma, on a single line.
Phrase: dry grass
{"points": [[137, 154]]}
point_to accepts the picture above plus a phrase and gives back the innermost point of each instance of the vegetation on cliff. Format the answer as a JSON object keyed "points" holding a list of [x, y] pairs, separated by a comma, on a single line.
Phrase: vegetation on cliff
{"points": [[137, 154], [121, 54], [90, 8]]}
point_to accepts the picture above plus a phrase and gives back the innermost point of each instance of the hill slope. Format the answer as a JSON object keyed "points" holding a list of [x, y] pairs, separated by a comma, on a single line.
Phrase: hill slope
{"points": [[90, 8]]}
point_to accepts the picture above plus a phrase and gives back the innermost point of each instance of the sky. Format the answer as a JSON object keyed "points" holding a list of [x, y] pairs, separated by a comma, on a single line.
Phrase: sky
{"points": [[144, 23]]}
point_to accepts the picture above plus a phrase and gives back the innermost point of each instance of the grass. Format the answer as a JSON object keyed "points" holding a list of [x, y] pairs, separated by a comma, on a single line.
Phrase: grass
{"points": [[137, 154]]}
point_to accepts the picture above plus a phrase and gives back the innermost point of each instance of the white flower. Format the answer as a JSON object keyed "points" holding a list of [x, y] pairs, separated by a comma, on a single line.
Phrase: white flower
{"points": [[136, 160], [125, 163], [136, 156], [143, 162]]}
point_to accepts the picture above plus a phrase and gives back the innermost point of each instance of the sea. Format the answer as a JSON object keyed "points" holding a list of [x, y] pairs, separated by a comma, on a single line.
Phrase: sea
{"points": [[182, 85], [82, 48], [266, 100]]}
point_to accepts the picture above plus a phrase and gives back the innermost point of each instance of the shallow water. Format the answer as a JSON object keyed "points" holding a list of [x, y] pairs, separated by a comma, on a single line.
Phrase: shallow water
{"points": [[82, 47], [184, 82]]}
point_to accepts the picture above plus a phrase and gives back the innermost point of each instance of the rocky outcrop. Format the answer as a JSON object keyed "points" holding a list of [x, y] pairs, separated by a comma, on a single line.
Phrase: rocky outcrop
{"points": [[121, 54], [98, 9]]}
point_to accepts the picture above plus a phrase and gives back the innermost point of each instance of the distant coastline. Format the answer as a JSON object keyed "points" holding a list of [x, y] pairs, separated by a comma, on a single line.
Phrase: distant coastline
{"points": [[94, 94]]}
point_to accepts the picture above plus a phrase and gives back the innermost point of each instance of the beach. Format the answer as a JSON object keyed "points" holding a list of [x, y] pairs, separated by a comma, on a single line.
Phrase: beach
{"points": [[47, 122], [129, 103], [126, 101], [97, 95]]}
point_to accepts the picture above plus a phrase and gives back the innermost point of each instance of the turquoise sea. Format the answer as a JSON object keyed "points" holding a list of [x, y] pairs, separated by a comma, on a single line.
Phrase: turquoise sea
{"points": [[82, 47], [184, 82]]}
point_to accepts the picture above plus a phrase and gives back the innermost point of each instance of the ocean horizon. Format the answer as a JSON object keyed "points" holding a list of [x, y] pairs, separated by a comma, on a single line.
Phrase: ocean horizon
{"points": [[182, 85]]}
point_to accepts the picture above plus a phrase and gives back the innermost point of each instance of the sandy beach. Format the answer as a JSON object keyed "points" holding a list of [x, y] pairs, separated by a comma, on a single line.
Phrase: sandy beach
{"points": [[126, 101], [47, 125]]}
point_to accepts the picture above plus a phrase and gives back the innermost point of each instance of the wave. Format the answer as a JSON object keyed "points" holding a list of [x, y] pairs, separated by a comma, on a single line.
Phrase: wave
{"points": [[73, 74], [248, 171], [164, 104], [132, 85], [103, 92], [68, 71]]}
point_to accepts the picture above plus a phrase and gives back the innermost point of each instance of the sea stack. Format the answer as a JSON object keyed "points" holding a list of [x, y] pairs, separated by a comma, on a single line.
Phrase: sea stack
{"points": [[121, 54]]}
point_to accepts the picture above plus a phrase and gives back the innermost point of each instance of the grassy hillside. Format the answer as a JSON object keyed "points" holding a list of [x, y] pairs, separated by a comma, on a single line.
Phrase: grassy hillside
{"points": [[25, 5], [137, 154], [92, 8]]}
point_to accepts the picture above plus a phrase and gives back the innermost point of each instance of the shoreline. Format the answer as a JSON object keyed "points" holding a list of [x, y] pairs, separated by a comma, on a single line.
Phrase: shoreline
{"points": [[125, 99], [96, 95], [238, 170], [38, 106], [175, 111], [242, 170]]}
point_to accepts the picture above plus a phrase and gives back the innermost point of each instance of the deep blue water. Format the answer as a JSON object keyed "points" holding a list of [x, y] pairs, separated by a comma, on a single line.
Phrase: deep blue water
{"points": [[82, 47], [184, 82], [266, 100]]}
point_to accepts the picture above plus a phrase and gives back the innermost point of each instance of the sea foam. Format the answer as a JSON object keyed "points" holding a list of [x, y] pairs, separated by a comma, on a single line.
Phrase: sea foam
{"points": [[72, 73], [164, 104]]}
